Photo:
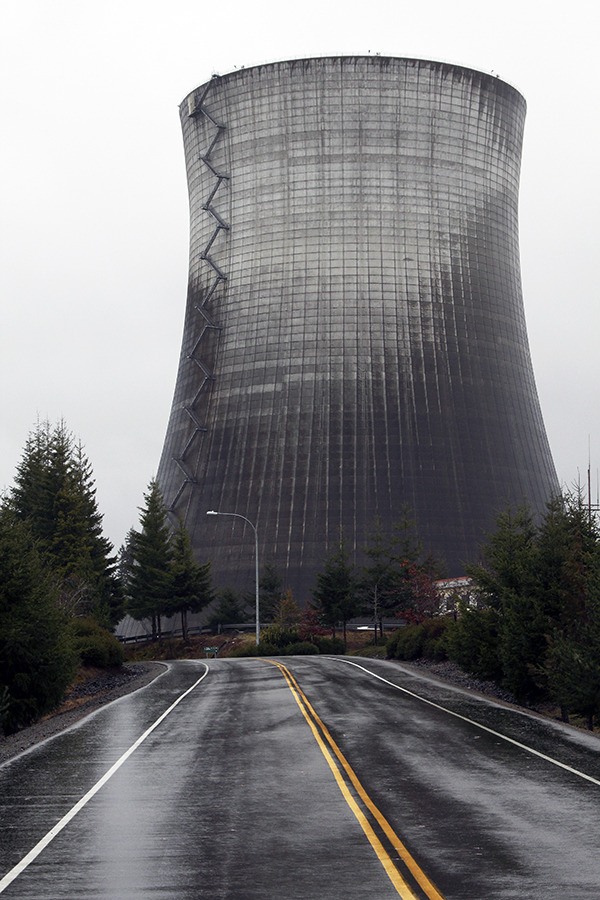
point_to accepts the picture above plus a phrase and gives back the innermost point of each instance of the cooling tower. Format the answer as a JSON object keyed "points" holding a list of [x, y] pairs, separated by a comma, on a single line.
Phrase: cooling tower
{"points": [[354, 340]]}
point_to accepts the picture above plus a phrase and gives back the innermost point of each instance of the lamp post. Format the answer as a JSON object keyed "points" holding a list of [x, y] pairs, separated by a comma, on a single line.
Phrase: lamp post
{"points": [[214, 512]]}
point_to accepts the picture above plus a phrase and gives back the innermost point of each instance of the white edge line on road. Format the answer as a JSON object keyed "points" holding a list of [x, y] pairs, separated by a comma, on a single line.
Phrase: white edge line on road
{"points": [[550, 759], [43, 843]]}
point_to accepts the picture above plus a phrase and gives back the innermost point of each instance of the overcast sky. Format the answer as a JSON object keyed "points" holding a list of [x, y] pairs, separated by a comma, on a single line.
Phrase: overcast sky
{"points": [[94, 215]]}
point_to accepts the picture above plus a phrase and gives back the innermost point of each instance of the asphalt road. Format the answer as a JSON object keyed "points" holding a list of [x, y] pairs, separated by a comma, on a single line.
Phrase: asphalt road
{"points": [[315, 778]]}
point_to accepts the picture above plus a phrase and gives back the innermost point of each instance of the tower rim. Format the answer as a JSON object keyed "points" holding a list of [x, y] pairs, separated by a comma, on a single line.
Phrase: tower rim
{"points": [[380, 59]]}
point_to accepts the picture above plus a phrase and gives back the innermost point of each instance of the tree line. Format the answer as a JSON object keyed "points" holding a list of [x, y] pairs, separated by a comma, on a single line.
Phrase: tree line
{"points": [[63, 589], [534, 626], [161, 578], [533, 622], [397, 580]]}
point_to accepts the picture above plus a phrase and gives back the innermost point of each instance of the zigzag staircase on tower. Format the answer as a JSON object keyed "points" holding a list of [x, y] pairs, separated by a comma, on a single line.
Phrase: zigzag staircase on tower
{"points": [[204, 322]]}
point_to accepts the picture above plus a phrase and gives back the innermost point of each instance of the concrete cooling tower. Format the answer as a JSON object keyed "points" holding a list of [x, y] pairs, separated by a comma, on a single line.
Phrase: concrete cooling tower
{"points": [[354, 339]]}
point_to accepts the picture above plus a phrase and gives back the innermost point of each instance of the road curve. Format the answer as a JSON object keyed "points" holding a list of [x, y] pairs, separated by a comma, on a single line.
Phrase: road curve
{"points": [[303, 777]]}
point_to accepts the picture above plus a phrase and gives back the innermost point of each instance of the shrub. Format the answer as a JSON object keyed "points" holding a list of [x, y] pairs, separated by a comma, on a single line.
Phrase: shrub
{"points": [[329, 645], [265, 648], [427, 639], [392, 643], [409, 642], [302, 648], [434, 640], [278, 636], [95, 645], [472, 643]]}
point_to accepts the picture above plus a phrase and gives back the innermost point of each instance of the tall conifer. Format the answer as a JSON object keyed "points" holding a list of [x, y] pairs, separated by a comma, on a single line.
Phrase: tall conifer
{"points": [[191, 587], [335, 596], [54, 493], [149, 587]]}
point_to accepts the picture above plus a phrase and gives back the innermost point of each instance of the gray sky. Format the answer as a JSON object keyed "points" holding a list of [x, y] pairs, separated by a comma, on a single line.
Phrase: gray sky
{"points": [[94, 216]]}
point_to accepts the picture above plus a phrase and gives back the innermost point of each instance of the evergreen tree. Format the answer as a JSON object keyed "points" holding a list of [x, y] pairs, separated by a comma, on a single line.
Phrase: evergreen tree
{"points": [[37, 660], [378, 578], [398, 578], [125, 561], [82, 557], [569, 562], [507, 558], [149, 586], [29, 496], [472, 642], [542, 591], [270, 592], [228, 610], [54, 493], [507, 580], [190, 582], [335, 596], [567, 546], [573, 673]]}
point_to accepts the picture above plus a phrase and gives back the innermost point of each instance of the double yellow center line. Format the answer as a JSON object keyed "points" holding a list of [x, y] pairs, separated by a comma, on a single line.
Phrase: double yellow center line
{"points": [[377, 829]]}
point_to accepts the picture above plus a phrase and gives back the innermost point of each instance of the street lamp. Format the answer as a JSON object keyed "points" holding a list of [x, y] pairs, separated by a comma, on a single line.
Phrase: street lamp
{"points": [[214, 512]]}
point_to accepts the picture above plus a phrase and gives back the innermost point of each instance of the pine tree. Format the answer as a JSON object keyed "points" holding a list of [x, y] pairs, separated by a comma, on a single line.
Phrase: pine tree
{"points": [[149, 586], [228, 610], [54, 493], [82, 556], [377, 578], [542, 590], [270, 592], [507, 581], [335, 596], [508, 557], [569, 599], [567, 544], [29, 496], [573, 673], [37, 660], [398, 578], [190, 582]]}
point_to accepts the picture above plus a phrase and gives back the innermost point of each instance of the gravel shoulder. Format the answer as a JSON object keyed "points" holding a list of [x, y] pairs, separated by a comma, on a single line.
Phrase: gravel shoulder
{"points": [[446, 672], [82, 700], [449, 672]]}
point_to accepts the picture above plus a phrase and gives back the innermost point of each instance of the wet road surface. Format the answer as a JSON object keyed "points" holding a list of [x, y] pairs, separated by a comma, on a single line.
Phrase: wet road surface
{"points": [[323, 778]]}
